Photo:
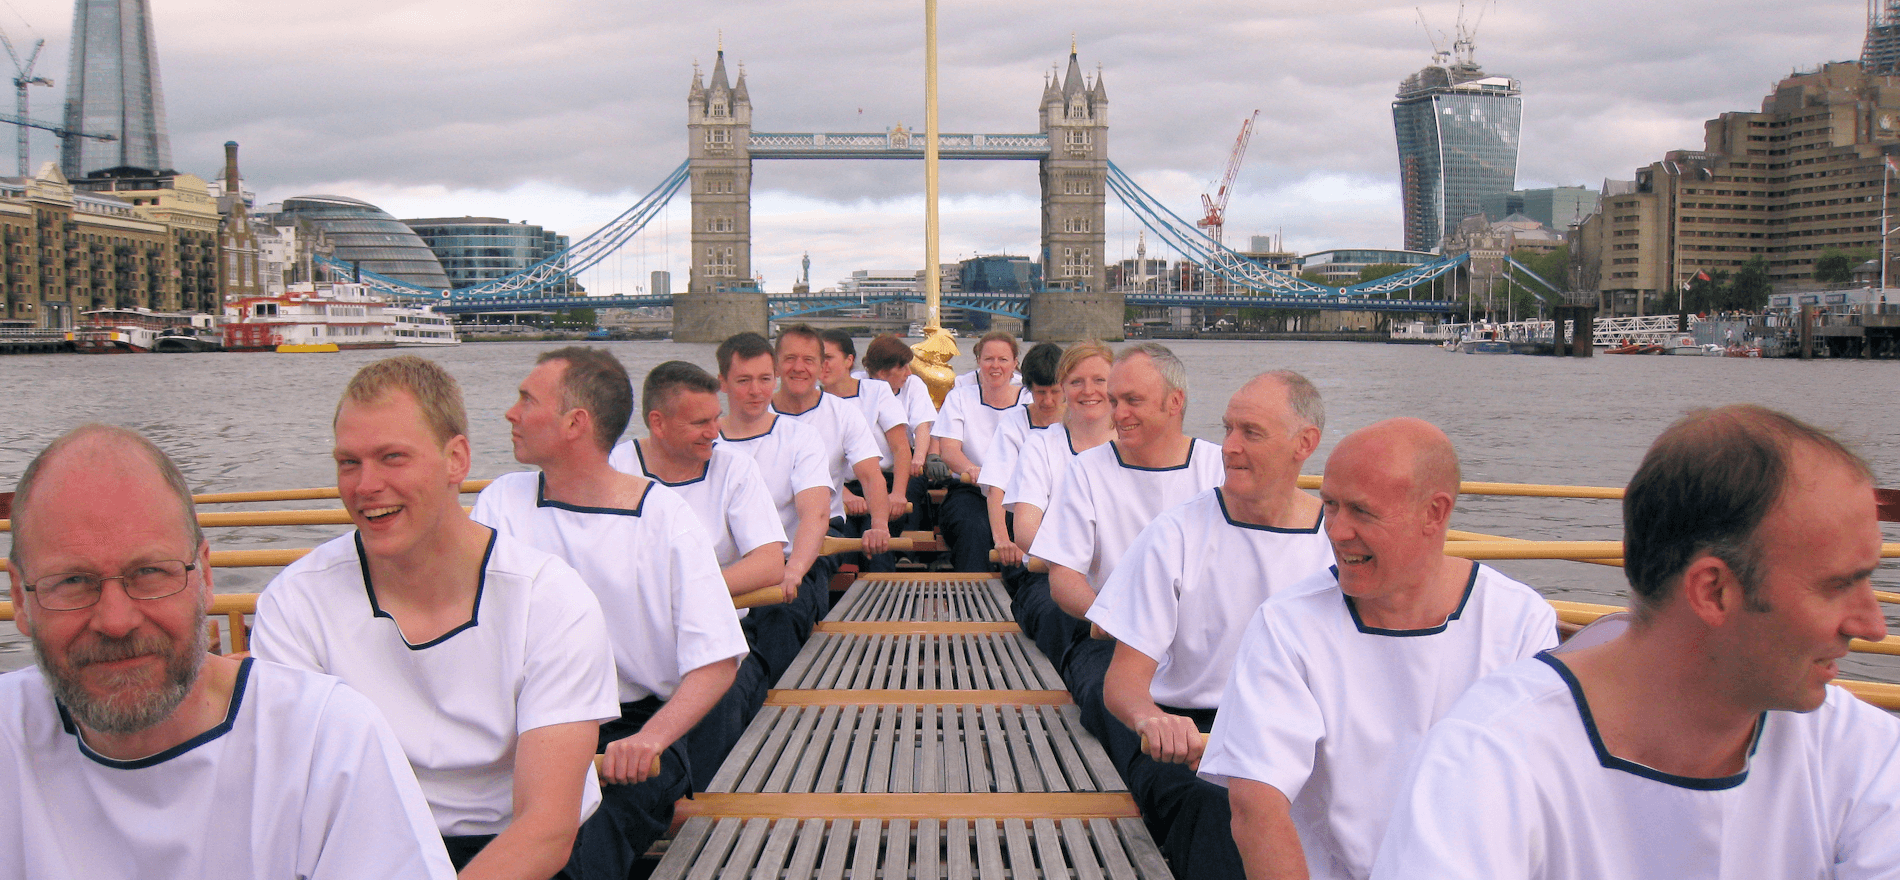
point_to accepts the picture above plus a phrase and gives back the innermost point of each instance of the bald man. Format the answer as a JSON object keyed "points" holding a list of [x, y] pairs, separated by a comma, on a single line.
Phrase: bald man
{"points": [[1339, 677]]}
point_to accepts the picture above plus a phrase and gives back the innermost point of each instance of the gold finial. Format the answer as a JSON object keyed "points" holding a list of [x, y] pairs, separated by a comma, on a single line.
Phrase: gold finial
{"points": [[722, 39], [1072, 42]]}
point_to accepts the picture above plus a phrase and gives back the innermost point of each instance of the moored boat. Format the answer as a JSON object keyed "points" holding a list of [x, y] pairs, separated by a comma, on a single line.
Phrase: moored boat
{"points": [[331, 317], [126, 331]]}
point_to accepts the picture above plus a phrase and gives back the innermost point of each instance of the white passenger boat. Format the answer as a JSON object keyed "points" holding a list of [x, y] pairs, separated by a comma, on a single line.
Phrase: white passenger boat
{"points": [[331, 317]]}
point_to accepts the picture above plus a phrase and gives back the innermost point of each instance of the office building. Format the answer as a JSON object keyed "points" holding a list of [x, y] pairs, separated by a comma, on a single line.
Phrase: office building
{"points": [[1342, 265], [366, 236], [1880, 52], [1558, 207], [112, 88], [476, 250], [1457, 130]]}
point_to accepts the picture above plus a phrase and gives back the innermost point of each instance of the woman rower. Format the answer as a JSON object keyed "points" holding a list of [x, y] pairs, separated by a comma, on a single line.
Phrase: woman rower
{"points": [[965, 427]]}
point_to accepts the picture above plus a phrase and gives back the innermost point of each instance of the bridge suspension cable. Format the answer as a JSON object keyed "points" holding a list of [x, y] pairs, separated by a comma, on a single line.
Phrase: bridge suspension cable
{"points": [[1217, 258]]}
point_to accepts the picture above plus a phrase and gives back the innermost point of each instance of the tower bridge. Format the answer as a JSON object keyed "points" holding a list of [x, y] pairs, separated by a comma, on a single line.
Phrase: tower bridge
{"points": [[1075, 177]]}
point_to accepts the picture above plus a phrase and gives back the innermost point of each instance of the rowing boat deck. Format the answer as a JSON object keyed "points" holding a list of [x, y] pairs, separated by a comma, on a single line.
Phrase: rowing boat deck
{"points": [[917, 735]]}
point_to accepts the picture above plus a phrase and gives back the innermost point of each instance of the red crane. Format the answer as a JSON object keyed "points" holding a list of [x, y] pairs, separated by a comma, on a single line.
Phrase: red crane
{"points": [[1215, 203]]}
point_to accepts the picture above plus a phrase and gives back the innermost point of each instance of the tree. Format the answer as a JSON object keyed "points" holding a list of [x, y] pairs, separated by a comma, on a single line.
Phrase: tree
{"points": [[1750, 289], [1706, 292], [1837, 266]]}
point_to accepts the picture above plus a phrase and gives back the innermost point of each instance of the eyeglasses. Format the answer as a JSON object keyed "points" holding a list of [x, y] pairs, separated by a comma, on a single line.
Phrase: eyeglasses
{"points": [[73, 590]]}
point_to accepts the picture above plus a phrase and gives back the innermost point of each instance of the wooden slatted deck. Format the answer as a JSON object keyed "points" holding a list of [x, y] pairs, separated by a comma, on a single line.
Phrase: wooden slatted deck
{"points": [[917, 736]]}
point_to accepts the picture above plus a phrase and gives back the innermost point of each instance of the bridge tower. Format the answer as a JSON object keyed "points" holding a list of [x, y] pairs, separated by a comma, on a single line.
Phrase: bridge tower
{"points": [[1077, 303], [721, 298]]}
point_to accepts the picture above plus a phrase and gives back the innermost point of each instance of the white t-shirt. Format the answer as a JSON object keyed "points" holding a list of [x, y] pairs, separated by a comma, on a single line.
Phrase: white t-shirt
{"points": [[303, 778], [652, 568], [914, 397], [882, 412], [534, 654], [1005, 447], [846, 438], [790, 459], [969, 420], [1515, 782], [1101, 505], [971, 378], [1184, 591], [1040, 464], [730, 498], [1330, 711]]}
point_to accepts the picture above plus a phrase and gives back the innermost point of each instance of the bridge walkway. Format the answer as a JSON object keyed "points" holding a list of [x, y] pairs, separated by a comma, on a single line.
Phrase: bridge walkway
{"points": [[919, 735]]}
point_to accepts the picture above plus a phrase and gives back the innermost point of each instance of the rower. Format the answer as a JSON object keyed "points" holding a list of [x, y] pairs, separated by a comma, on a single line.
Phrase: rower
{"points": [[169, 761], [429, 613], [888, 359], [965, 429], [1698, 734], [846, 443], [1012, 431], [789, 458], [1087, 422], [885, 416], [1112, 492], [1181, 597], [724, 490], [1338, 676], [676, 642]]}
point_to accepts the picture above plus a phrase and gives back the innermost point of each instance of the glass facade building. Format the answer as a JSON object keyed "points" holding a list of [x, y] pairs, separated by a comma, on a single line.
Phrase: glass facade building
{"points": [[475, 250], [112, 88], [368, 236], [1458, 133], [999, 274]]}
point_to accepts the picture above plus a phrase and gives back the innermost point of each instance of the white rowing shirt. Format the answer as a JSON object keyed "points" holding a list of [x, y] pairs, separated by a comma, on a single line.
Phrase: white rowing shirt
{"points": [[1013, 430], [1516, 782], [914, 397], [966, 418], [533, 654], [1040, 464], [652, 568], [790, 459], [1185, 590], [1101, 505], [302, 778], [882, 412], [846, 440], [972, 378], [729, 496], [1330, 711]]}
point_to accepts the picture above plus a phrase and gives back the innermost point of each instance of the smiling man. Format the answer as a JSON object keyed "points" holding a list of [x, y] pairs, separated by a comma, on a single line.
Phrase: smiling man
{"points": [[130, 751], [1698, 735], [488, 657], [1338, 677], [676, 640], [849, 450], [1180, 599]]}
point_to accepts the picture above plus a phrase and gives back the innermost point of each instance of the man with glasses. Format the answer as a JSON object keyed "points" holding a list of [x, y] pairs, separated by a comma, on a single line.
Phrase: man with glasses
{"points": [[130, 751]]}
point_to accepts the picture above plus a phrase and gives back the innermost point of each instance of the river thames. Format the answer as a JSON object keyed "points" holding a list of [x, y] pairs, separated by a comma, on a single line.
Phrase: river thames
{"points": [[262, 421]]}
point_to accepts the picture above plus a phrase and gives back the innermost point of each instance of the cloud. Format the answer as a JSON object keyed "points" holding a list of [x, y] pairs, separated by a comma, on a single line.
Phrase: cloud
{"points": [[564, 112]]}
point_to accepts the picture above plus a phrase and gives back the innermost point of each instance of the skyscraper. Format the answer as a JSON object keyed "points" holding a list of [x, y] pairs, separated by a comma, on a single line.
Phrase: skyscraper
{"points": [[112, 88], [1880, 54], [1457, 129]]}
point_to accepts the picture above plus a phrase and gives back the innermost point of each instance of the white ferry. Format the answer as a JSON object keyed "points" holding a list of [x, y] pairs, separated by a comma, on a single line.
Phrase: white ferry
{"points": [[331, 317], [130, 331]]}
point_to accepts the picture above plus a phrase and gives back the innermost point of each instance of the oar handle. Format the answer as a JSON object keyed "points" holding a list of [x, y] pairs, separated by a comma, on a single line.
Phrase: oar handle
{"points": [[834, 544], [1201, 737], [1032, 563], [600, 764]]}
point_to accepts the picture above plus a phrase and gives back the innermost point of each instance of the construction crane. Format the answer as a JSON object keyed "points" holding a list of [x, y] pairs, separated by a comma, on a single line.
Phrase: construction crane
{"points": [[23, 77], [1214, 203]]}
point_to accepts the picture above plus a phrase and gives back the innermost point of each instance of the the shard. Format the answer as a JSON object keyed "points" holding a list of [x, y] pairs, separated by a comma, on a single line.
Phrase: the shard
{"points": [[112, 88]]}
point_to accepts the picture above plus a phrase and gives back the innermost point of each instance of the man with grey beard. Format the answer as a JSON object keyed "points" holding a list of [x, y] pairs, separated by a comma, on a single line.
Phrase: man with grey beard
{"points": [[130, 751]]}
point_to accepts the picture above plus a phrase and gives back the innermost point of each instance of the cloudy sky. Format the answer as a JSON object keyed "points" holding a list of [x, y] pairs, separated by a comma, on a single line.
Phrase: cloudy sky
{"points": [[563, 112]]}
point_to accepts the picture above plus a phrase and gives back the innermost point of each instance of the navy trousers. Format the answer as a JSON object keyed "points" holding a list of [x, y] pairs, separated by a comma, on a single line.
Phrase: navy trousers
{"points": [[964, 519], [714, 736], [1187, 816]]}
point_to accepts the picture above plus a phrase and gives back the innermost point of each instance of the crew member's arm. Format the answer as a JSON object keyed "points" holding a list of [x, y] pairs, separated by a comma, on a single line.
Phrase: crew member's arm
{"points": [[1263, 830], [952, 453], [1071, 590], [762, 567], [630, 760], [899, 439], [550, 769], [1127, 692], [1008, 552], [920, 446], [1028, 520], [877, 538], [814, 516]]}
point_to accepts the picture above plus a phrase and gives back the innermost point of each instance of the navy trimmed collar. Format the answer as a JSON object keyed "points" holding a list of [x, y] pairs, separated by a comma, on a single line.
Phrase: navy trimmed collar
{"points": [[221, 728], [541, 499], [474, 614], [813, 408], [1221, 498], [1470, 584], [705, 468], [1612, 762], [1115, 445], [768, 429]]}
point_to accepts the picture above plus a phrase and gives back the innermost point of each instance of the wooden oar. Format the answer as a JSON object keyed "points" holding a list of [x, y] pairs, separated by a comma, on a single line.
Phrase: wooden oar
{"points": [[834, 544], [1583, 613], [1033, 564], [600, 764]]}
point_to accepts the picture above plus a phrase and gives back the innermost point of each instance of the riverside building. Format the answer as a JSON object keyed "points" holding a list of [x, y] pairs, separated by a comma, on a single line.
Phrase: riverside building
{"points": [[1457, 129], [475, 250], [1801, 177]]}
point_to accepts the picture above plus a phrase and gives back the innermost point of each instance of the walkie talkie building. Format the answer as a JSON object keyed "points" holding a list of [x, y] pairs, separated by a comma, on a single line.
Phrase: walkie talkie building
{"points": [[1458, 132], [112, 88]]}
